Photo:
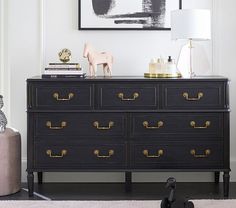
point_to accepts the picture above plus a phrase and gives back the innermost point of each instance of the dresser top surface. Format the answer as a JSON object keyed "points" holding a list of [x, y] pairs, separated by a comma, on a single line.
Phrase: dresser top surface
{"points": [[130, 78]]}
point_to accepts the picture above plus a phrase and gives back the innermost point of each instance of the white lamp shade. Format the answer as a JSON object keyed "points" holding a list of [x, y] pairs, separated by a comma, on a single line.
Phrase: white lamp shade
{"points": [[192, 24]]}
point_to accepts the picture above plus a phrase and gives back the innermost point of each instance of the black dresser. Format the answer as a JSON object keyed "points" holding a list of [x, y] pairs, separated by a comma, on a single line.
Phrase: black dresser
{"points": [[128, 124]]}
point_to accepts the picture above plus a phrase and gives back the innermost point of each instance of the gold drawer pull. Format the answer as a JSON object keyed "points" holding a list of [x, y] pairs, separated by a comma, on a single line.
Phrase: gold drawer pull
{"points": [[193, 124], [186, 96], [63, 153], [49, 125], [159, 154], [97, 153], [56, 96], [159, 125], [110, 124], [207, 153], [121, 96]]}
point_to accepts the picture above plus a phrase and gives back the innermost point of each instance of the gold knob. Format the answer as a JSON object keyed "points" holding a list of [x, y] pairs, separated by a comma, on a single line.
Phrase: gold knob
{"points": [[193, 124], [159, 125], [186, 96], [96, 124], [63, 153], [121, 96], [159, 154], [49, 125], [56, 96], [97, 153], [207, 153]]}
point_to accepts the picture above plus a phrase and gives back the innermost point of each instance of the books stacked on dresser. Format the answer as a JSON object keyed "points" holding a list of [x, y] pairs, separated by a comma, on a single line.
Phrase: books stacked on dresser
{"points": [[63, 70]]}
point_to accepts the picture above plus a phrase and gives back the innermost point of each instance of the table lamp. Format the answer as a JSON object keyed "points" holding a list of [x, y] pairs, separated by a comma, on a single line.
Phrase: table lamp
{"points": [[191, 25]]}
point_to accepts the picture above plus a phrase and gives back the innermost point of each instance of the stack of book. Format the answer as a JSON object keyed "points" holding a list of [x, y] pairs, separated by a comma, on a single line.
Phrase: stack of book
{"points": [[63, 70]]}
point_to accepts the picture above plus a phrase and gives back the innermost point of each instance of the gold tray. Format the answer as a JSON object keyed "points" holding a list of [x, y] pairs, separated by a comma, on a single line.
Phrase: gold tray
{"points": [[149, 75]]}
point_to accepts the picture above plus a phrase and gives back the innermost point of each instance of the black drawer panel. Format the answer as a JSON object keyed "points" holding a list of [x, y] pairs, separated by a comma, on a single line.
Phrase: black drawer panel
{"points": [[128, 96], [80, 124], [64, 155], [154, 125], [199, 95], [192, 155], [57, 96]]}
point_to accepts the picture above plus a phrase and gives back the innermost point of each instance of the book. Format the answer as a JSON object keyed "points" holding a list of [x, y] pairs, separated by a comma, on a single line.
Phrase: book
{"points": [[62, 68], [58, 64], [51, 76], [66, 72]]}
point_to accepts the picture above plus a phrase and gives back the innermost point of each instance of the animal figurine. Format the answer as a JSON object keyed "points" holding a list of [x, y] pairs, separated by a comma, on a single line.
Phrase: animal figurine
{"points": [[64, 55], [96, 58], [171, 201], [3, 119]]}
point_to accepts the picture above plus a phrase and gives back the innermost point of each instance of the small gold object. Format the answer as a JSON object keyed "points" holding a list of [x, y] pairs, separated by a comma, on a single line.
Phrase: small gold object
{"points": [[63, 153], [56, 96], [97, 153], [121, 96], [159, 125], [158, 75], [49, 125], [110, 124], [207, 153], [159, 154], [193, 124], [64, 55], [186, 96]]}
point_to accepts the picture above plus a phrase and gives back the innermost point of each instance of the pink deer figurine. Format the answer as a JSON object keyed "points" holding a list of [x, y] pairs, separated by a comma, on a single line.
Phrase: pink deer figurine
{"points": [[97, 58]]}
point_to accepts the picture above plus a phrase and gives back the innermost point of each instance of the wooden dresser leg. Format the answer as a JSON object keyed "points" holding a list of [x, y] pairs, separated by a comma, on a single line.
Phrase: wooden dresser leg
{"points": [[226, 183], [40, 177], [217, 177], [30, 178], [128, 181]]}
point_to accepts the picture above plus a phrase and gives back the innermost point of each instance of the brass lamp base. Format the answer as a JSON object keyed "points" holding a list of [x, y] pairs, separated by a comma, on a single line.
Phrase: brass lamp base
{"points": [[150, 75]]}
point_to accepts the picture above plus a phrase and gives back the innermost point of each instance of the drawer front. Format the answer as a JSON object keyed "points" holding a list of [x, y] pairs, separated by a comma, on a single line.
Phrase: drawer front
{"points": [[192, 155], [172, 125], [194, 95], [80, 125], [128, 96], [66, 96], [64, 155]]}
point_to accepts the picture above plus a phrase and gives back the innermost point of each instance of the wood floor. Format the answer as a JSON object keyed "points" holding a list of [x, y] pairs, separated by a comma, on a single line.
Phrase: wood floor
{"points": [[116, 191]]}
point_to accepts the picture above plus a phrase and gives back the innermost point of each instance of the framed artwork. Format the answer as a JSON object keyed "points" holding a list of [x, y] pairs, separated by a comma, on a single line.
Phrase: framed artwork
{"points": [[126, 14]]}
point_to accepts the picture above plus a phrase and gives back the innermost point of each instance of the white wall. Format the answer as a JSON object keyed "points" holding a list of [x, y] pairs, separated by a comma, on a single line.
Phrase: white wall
{"points": [[132, 51]]}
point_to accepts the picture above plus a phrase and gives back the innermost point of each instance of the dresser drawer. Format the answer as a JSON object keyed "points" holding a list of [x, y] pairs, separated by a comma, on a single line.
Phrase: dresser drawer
{"points": [[77, 155], [189, 155], [66, 96], [199, 95], [128, 96], [172, 125], [80, 125]]}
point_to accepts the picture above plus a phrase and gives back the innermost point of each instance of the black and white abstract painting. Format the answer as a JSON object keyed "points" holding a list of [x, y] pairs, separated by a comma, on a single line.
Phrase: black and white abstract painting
{"points": [[126, 14]]}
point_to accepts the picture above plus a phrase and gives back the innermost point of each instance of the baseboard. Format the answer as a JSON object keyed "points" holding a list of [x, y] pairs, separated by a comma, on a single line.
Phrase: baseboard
{"points": [[137, 177]]}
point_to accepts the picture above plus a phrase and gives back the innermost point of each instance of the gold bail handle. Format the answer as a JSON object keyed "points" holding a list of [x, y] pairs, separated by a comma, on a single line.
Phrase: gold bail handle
{"points": [[97, 153], [62, 154], [110, 125], [56, 96], [121, 96], [207, 152], [199, 96], [159, 125], [49, 125], [160, 152], [193, 124]]}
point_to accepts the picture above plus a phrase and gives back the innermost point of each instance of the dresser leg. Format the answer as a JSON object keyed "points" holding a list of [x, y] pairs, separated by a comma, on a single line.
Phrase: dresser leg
{"points": [[226, 183], [217, 177], [128, 181], [40, 177], [30, 179]]}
